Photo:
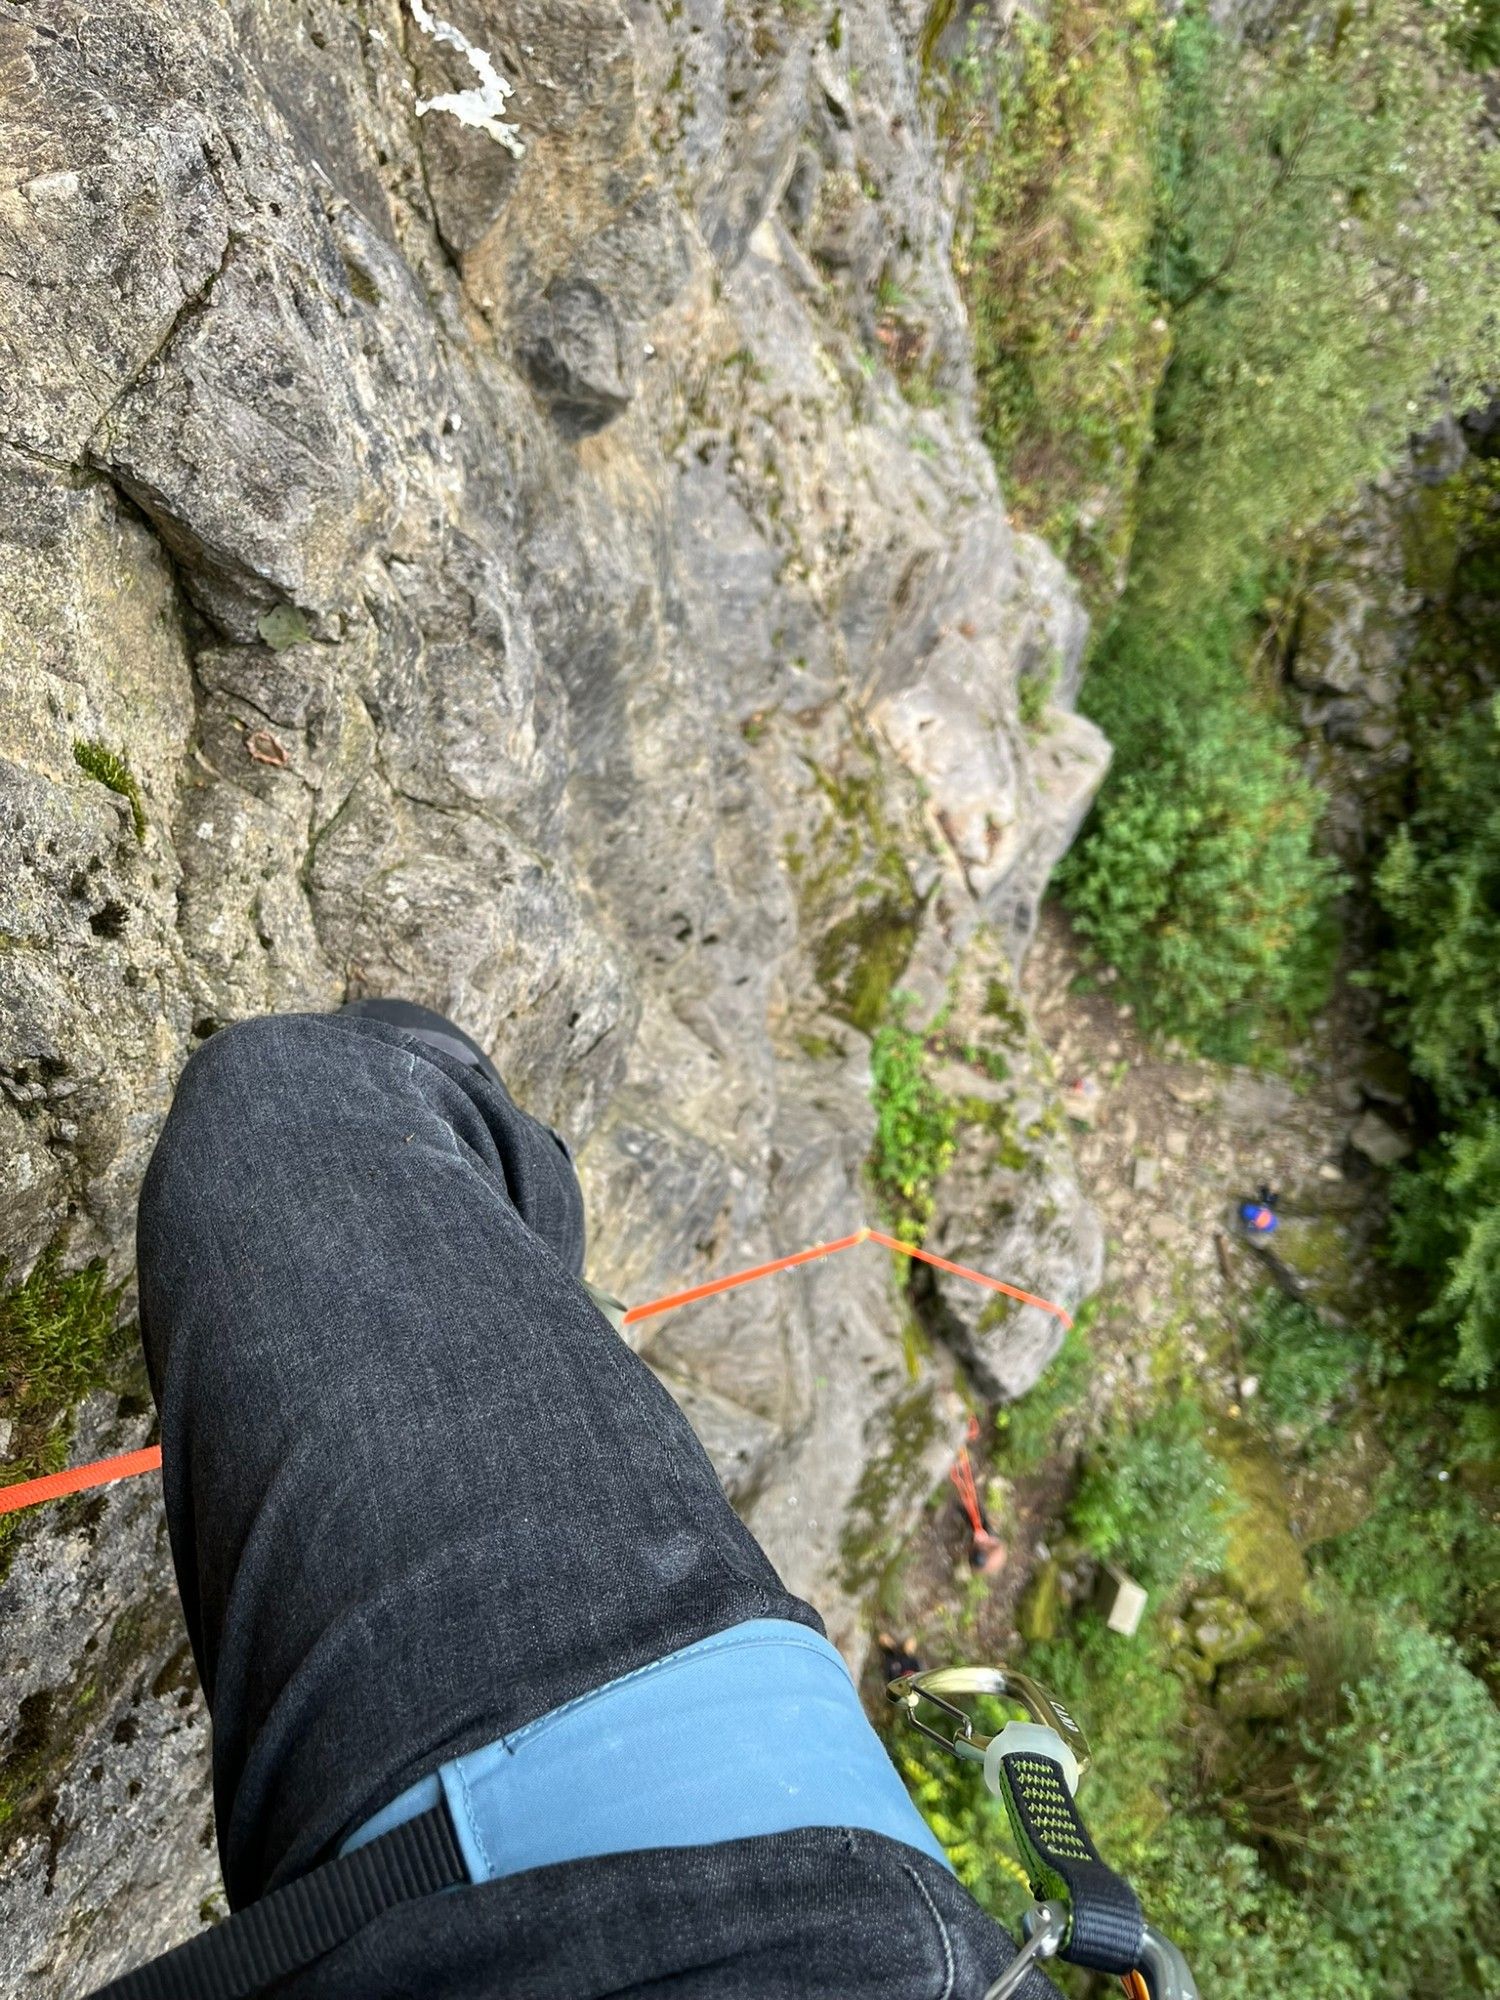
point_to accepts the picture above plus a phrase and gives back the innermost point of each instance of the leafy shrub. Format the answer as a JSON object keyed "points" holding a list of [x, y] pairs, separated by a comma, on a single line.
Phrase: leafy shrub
{"points": [[1242, 1930], [1429, 1546], [1285, 1867], [1309, 1892], [1027, 1429], [1329, 255], [1154, 1499], [914, 1128], [1199, 877], [1068, 344], [1379, 1796], [1305, 1364], [967, 1819], [1133, 1710]]}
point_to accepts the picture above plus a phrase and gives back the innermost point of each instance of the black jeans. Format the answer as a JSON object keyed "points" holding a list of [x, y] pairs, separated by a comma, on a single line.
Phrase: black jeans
{"points": [[419, 1493]]}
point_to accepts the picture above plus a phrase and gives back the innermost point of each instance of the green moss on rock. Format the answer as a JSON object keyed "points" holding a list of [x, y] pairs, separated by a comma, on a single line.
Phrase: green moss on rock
{"points": [[859, 907], [111, 769], [861, 959], [58, 1340], [1264, 1565], [875, 1523]]}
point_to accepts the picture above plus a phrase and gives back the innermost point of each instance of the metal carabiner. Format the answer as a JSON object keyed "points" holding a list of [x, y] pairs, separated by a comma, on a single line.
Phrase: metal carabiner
{"points": [[1164, 1970], [1004, 1684], [1045, 1929]]}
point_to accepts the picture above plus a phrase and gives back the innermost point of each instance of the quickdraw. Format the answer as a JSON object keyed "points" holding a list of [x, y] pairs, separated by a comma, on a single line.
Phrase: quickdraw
{"points": [[1084, 1912]]}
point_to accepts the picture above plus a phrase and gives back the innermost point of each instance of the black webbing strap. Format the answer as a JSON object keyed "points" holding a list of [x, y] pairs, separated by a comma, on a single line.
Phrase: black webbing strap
{"points": [[1107, 1929], [294, 1927]]}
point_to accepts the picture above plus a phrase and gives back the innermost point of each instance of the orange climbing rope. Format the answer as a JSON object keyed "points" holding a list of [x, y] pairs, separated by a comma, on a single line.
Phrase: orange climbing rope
{"points": [[989, 1552], [961, 1472], [78, 1479], [104, 1471]]}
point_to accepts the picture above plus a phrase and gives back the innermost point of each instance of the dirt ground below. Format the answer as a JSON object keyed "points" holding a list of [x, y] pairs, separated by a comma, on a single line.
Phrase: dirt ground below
{"points": [[1167, 1148]]}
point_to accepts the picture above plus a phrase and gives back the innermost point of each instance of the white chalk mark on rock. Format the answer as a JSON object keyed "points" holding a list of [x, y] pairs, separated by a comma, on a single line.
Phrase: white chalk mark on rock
{"points": [[480, 107]]}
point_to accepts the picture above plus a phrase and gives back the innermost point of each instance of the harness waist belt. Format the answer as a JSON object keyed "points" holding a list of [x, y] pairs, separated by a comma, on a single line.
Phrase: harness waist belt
{"points": [[756, 1730]]}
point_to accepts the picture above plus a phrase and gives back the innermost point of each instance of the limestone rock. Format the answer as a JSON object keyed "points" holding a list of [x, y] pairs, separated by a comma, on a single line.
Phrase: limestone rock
{"points": [[573, 352], [1378, 1141], [489, 547], [108, 1854], [1010, 1204]]}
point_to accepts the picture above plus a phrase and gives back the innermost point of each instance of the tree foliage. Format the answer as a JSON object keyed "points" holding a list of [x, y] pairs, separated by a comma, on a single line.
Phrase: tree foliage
{"points": [[1329, 256], [1440, 887], [1069, 346], [1200, 878]]}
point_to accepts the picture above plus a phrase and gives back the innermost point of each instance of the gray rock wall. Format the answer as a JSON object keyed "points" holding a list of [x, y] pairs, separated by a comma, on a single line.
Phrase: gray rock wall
{"points": [[533, 553]]}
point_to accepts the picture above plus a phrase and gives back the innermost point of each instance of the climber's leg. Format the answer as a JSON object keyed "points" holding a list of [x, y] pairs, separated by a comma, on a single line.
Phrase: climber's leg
{"points": [[419, 1491]]}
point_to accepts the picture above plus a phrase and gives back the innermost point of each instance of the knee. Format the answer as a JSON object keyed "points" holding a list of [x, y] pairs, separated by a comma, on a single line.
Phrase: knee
{"points": [[233, 1098], [256, 1062]]}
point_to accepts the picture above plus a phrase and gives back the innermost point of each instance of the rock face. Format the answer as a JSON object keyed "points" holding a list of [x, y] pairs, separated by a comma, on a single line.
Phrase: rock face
{"points": [[517, 559], [1379, 573]]}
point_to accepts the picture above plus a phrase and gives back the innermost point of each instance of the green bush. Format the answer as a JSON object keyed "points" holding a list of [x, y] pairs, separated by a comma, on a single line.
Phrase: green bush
{"points": [[1429, 1545], [1134, 1712], [1153, 1498], [1306, 1365], [967, 1819], [1307, 1861], [1313, 1890], [1026, 1430], [1439, 885], [1381, 1802], [1328, 253], [914, 1127], [1242, 1930], [1199, 876], [1068, 343]]}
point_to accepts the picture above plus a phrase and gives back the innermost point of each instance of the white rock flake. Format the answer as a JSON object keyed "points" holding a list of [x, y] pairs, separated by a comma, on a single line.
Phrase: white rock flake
{"points": [[481, 106]]}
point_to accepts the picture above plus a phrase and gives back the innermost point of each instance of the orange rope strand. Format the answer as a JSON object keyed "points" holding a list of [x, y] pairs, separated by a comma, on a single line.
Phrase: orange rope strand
{"points": [[716, 1285], [104, 1471], [78, 1479], [961, 1472]]}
